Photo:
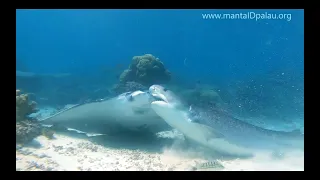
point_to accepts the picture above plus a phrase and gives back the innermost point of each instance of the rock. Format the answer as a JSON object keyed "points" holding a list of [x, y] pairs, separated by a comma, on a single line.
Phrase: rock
{"points": [[48, 133]]}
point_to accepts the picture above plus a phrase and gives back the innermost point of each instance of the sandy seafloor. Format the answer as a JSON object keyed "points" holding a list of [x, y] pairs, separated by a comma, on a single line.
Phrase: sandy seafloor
{"points": [[69, 153]]}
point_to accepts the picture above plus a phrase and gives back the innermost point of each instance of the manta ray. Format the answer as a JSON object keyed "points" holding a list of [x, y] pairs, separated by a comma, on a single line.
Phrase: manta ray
{"points": [[219, 131], [129, 111]]}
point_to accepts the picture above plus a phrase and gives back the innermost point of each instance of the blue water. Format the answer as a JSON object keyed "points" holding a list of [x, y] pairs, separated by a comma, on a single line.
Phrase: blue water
{"points": [[218, 52], [80, 40]]}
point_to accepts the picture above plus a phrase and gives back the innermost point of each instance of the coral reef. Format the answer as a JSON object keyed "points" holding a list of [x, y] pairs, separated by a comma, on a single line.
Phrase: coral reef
{"points": [[128, 86], [26, 129], [146, 70], [23, 108]]}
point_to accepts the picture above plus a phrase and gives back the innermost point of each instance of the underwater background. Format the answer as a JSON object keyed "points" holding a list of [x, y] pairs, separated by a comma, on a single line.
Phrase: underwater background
{"points": [[251, 68], [95, 46]]}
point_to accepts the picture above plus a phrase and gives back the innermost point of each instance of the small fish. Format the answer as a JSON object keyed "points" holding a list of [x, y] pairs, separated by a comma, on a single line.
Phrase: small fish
{"points": [[210, 164]]}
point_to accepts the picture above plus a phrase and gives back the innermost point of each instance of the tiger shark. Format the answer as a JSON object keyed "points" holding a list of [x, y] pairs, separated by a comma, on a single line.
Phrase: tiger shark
{"points": [[219, 131]]}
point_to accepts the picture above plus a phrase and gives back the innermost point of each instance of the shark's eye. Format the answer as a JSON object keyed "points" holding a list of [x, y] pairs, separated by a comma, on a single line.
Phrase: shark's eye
{"points": [[165, 89]]}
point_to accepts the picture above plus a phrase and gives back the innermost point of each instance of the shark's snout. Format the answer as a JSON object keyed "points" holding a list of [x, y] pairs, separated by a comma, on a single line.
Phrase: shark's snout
{"points": [[158, 93], [153, 88]]}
